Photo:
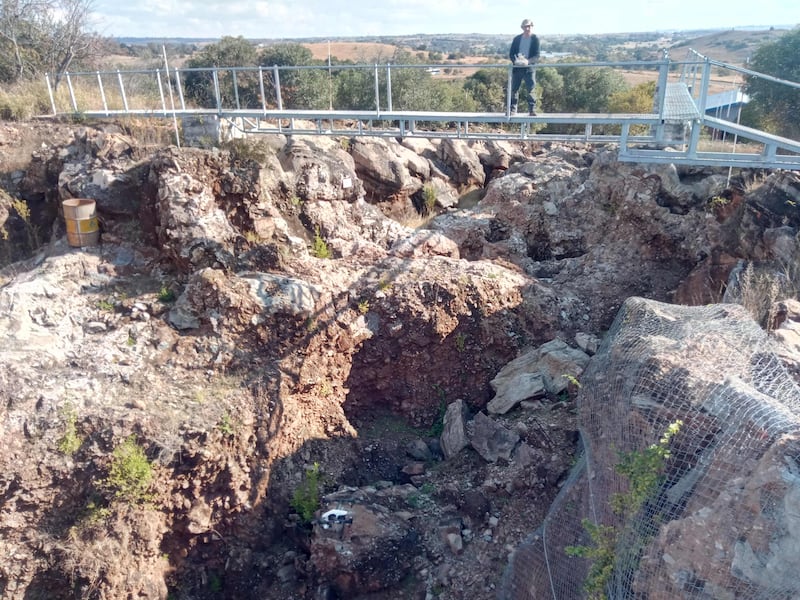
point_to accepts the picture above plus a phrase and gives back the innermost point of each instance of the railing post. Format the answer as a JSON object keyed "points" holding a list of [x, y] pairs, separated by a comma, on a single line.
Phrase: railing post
{"points": [[661, 86], [180, 88], [704, 86], [102, 92], [122, 90], [697, 124], [276, 74], [71, 92], [216, 89], [50, 93], [508, 91], [377, 92], [161, 91], [657, 131], [261, 89], [236, 88], [388, 87]]}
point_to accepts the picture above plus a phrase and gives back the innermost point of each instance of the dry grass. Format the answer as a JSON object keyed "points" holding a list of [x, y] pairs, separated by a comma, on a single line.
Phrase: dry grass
{"points": [[20, 102], [356, 51]]}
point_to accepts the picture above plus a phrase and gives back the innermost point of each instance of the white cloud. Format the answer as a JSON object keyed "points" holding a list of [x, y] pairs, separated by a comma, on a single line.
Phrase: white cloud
{"points": [[337, 18]]}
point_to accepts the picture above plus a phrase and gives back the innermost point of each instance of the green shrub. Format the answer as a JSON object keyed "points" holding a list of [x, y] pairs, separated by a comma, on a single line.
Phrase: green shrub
{"points": [[70, 442], [319, 248], [305, 500], [429, 198], [243, 149], [166, 295], [130, 474], [644, 470]]}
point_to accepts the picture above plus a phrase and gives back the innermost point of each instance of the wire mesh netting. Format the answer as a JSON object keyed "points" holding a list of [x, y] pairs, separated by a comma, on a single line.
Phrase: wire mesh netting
{"points": [[720, 516]]}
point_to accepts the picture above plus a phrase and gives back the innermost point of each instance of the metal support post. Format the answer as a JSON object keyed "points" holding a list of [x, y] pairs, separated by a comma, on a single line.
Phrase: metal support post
{"points": [[161, 91], [508, 92], [216, 89], [388, 87], [377, 92], [122, 90], [235, 88], [50, 93], [102, 92], [261, 89], [71, 92], [277, 77]]}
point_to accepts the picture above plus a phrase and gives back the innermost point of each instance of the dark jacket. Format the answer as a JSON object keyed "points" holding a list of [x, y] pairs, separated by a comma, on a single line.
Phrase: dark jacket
{"points": [[533, 54]]}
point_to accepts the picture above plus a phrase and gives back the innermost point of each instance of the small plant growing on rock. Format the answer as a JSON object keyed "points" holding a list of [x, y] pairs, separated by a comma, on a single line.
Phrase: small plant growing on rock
{"points": [[225, 424], [244, 149], [461, 342], [428, 198], [363, 307], [319, 248], [166, 295], [23, 210], [437, 427], [105, 305], [131, 473], [70, 442], [644, 470], [305, 500]]}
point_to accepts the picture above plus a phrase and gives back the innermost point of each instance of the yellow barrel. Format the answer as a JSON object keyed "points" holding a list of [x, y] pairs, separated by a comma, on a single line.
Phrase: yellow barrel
{"points": [[81, 220]]}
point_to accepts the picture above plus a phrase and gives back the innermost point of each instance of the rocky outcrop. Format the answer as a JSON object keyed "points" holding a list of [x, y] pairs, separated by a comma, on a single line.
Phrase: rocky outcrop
{"points": [[256, 310], [721, 519]]}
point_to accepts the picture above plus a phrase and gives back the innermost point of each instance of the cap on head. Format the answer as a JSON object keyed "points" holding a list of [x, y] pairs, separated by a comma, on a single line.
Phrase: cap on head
{"points": [[526, 23]]}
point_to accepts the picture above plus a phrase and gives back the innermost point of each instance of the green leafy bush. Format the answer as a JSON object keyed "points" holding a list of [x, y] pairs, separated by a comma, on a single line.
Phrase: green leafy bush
{"points": [[305, 500], [644, 470], [70, 442], [130, 474], [319, 248]]}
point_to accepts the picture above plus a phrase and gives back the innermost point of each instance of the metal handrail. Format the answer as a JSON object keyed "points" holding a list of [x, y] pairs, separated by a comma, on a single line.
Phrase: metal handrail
{"points": [[255, 95], [382, 76]]}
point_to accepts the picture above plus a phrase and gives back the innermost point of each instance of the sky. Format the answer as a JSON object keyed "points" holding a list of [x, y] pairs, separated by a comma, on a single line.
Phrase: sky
{"points": [[328, 19]]}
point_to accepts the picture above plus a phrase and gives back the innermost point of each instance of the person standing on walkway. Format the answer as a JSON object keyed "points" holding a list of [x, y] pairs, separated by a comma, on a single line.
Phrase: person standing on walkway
{"points": [[524, 54]]}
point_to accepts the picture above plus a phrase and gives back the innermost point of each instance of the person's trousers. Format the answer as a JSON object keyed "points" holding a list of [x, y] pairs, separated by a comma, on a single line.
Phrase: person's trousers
{"points": [[518, 75]]}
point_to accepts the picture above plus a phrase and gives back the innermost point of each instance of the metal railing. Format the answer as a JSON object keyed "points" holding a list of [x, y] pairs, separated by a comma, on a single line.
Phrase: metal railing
{"points": [[378, 100]]}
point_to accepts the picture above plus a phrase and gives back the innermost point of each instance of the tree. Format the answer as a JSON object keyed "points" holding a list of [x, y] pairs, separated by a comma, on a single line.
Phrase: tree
{"points": [[589, 89], [45, 36], [300, 88], [638, 99], [487, 87], [228, 52], [66, 40], [551, 83], [774, 107]]}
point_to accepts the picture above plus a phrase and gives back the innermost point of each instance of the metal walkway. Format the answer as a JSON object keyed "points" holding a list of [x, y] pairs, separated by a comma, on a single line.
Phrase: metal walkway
{"points": [[250, 101]]}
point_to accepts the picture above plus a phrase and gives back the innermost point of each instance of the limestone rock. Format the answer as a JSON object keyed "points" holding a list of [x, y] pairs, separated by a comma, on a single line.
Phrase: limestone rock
{"points": [[454, 432], [491, 440]]}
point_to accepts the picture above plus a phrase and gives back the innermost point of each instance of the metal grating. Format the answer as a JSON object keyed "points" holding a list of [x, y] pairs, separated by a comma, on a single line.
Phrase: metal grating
{"points": [[678, 103]]}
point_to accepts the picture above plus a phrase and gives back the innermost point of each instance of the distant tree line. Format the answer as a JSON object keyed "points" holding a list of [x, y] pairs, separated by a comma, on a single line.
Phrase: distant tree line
{"points": [[320, 86]]}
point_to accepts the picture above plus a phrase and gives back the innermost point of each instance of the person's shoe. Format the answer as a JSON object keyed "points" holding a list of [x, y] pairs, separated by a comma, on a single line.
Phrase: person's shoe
{"points": [[513, 111], [532, 112]]}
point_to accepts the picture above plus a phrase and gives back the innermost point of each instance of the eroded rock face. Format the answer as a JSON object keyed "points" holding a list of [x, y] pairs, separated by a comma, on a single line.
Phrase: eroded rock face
{"points": [[208, 325], [722, 521], [372, 551]]}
